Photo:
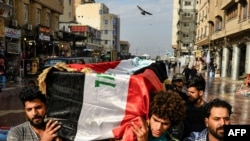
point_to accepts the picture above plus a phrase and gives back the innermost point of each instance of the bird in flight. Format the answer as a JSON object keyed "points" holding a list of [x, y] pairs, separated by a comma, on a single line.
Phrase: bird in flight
{"points": [[143, 12]]}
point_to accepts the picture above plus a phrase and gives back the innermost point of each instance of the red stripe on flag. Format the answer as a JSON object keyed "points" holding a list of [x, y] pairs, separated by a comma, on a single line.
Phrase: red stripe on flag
{"points": [[140, 86], [97, 67]]}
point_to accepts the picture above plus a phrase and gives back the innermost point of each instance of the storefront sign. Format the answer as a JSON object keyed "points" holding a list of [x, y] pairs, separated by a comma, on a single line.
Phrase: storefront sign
{"points": [[44, 33], [44, 37], [12, 33], [78, 28], [44, 29], [12, 48]]}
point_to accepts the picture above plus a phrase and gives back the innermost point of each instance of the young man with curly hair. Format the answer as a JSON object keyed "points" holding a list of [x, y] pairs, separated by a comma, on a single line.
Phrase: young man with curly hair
{"points": [[166, 109]]}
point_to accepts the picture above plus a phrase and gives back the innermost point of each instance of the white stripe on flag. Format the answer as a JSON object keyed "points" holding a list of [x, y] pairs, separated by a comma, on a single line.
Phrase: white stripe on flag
{"points": [[104, 96], [130, 66]]}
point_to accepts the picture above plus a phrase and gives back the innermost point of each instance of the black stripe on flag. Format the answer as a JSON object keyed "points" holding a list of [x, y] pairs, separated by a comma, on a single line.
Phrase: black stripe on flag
{"points": [[159, 69], [64, 100]]}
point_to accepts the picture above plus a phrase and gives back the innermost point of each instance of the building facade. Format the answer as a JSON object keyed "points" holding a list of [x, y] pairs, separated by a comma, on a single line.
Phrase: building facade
{"points": [[124, 45], [228, 36], [97, 15], [30, 29], [186, 27], [175, 20]]}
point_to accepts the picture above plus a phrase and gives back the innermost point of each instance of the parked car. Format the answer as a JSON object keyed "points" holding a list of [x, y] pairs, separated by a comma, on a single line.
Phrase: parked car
{"points": [[68, 60]]}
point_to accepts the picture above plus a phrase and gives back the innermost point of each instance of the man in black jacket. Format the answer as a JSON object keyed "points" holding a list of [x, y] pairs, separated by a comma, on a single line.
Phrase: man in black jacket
{"points": [[194, 121]]}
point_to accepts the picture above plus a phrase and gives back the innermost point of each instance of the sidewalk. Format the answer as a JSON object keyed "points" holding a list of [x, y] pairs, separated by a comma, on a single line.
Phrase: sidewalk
{"points": [[21, 82], [204, 74]]}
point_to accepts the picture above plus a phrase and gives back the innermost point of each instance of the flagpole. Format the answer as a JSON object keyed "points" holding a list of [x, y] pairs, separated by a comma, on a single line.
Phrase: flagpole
{"points": [[208, 57]]}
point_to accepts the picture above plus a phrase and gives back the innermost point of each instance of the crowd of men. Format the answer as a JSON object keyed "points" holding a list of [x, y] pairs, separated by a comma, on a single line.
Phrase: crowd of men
{"points": [[177, 113]]}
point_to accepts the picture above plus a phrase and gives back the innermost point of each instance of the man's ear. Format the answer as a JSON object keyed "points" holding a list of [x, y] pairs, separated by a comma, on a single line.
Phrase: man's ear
{"points": [[206, 122], [201, 93]]}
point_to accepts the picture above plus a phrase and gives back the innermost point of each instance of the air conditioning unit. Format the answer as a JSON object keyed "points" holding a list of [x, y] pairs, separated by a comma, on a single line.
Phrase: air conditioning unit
{"points": [[29, 27], [14, 23]]}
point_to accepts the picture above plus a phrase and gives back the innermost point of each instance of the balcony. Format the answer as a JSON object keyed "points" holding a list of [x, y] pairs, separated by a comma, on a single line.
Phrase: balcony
{"points": [[227, 3]]}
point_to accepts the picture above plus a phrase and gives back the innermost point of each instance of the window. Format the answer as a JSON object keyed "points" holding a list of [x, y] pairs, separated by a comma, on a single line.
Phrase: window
{"points": [[244, 9], [26, 12], [106, 21], [216, 2], [59, 1], [48, 19], [56, 23], [100, 12], [205, 30], [187, 14], [218, 23], [69, 14], [198, 34], [38, 16], [106, 32], [69, 2], [231, 13], [185, 35], [114, 21], [186, 24], [187, 3], [9, 2], [186, 44]]}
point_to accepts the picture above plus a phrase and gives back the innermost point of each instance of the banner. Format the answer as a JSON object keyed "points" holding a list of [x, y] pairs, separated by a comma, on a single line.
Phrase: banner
{"points": [[208, 57]]}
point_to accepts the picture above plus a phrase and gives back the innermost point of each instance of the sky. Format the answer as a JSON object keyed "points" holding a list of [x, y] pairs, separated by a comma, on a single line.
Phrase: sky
{"points": [[147, 34]]}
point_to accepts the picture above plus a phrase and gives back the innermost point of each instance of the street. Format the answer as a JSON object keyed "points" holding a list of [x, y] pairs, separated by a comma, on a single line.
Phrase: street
{"points": [[11, 109], [224, 88]]}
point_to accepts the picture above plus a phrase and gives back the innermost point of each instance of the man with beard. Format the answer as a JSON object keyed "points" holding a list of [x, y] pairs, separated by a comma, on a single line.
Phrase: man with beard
{"points": [[194, 121], [35, 129], [218, 114]]}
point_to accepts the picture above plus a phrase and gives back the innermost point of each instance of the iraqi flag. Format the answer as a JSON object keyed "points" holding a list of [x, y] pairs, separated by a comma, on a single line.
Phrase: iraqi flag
{"points": [[102, 104]]}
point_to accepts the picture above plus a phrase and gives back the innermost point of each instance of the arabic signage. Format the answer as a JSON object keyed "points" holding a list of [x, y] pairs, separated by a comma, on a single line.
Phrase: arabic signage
{"points": [[12, 33], [44, 33]]}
